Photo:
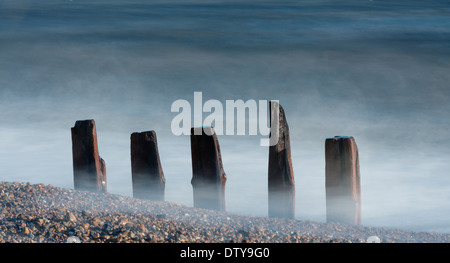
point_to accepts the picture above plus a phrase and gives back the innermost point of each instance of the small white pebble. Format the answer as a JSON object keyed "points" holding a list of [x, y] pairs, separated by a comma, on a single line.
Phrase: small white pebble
{"points": [[373, 239], [73, 239]]}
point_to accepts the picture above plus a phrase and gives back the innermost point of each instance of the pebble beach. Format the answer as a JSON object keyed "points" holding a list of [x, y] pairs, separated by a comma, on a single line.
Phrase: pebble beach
{"points": [[38, 213]]}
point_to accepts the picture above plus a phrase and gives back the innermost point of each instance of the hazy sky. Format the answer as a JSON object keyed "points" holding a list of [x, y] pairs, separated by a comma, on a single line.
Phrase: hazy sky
{"points": [[375, 70]]}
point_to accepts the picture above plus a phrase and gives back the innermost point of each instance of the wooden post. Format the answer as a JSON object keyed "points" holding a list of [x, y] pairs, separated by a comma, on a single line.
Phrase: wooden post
{"points": [[89, 169], [281, 175], [342, 179], [208, 177], [103, 175], [147, 175]]}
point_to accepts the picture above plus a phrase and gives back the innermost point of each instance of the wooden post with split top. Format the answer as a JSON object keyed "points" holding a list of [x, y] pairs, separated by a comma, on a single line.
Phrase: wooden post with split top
{"points": [[89, 169]]}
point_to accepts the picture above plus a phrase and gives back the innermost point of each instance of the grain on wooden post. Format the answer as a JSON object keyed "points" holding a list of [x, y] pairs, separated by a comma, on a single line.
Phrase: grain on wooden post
{"points": [[281, 175], [342, 180], [208, 177], [146, 171], [88, 169]]}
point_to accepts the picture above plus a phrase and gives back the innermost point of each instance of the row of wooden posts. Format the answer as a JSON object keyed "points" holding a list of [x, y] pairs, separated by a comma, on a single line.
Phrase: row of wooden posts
{"points": [[342, 178]]}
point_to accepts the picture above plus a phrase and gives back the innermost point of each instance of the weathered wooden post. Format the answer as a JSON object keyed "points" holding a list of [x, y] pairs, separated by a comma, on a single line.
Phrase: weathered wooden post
{"points": [[281, 175], [89, 169], [147, 175], [103, 175], [208, 177], [342, 180]]}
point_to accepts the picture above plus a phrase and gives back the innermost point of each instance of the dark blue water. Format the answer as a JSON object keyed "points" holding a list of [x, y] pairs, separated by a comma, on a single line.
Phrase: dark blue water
{"points": [[375, 70]]}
